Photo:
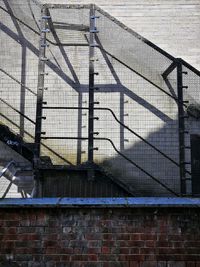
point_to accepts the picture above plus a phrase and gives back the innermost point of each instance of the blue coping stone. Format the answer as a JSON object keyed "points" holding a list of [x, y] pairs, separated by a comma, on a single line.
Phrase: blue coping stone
{"points": [[101, 202]]}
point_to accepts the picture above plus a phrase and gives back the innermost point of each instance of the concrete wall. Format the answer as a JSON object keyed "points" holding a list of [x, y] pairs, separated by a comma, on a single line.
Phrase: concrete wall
{"points": [[97, 237], [135, 101]]}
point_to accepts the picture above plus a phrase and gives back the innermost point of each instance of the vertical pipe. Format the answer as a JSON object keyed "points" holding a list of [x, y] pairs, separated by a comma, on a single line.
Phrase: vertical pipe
{"points": [[40, 92], [23, 91], [181, 125], [91, 88], [40, 86], [122, 120]]}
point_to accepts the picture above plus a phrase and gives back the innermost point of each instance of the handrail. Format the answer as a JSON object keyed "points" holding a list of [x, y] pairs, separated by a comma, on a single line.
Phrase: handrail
{"points": [[135, 34], [136, 72], [118, 152], [20, 113], [9, 175], [126, 127], [190, 67], [140, 137], [45, 146], [14, 79], [2, 172], [137, 166], [139, 74]]}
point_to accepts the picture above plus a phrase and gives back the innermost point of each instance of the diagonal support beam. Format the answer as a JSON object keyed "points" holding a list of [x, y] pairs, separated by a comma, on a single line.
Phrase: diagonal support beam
{"points": [[169, 70]]}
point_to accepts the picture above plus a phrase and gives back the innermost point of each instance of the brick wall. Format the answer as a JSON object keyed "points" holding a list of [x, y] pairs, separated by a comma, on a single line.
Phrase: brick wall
{"points": [[104, 237]]}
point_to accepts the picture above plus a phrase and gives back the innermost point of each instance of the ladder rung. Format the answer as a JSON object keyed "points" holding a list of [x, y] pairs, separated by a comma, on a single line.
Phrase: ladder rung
{"points": [[186, 147], [41, 133], [42, 117], [93, 148], [43, 88], [184, 117], [44, 73], [44, 59], [45, 45], [94, 59], [46, 17], [187, 179], [94, 45], [45, 30], [94, 31], [185, 132], [94, 118], [94, 17], [94, 133]]}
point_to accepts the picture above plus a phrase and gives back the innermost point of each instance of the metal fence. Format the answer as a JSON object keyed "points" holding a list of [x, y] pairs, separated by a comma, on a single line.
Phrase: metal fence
{"points": [[102, 94]]}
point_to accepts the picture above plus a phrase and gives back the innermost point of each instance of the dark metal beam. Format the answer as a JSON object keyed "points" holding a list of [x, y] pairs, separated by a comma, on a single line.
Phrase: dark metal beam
{"points": [[40, 86], [69, 26], [181, 125], [91, 87], [169, 70]]}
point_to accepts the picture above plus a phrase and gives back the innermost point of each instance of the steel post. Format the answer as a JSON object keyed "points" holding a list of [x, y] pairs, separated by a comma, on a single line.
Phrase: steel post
{"points": [[41, 78], [91, 87], [181, 124]]}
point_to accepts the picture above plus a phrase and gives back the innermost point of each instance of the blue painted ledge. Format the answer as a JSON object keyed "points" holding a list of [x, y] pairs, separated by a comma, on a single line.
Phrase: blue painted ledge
{"points": [[137, 202]]}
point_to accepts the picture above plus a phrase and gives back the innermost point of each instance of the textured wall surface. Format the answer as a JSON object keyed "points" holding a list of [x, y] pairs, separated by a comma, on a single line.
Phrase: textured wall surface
{"points": [[100, 237]]}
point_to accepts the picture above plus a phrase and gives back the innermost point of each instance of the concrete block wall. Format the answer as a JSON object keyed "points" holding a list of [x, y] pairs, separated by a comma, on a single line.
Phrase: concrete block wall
{"points": [[100, 237], [137, 103]]}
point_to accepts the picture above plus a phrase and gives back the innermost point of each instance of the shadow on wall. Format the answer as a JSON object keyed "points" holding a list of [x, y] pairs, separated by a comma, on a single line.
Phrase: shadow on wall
{"points": [[165, 138]]}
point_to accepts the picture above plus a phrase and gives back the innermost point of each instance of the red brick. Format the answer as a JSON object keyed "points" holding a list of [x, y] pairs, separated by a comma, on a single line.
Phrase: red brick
{"points": [[191, 264], [108, 243], [148, 264], [66, 251], [115, 264], [28, 237], [10, 237], [92, 257], [134, 237], [105, 250], [150, 244], [84, 257], [131, 257], [108, 237], [134, 264], [122, 236], [148, 237]]}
